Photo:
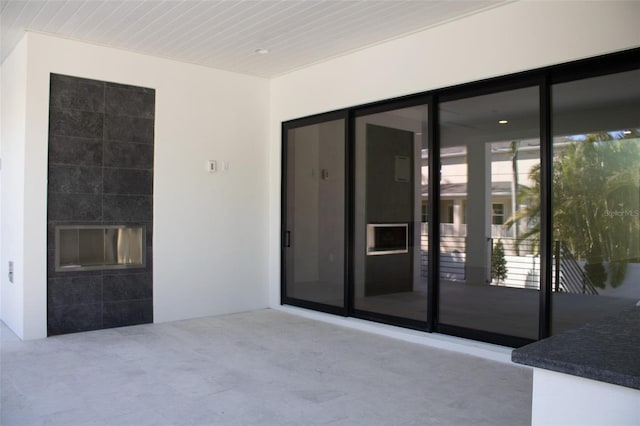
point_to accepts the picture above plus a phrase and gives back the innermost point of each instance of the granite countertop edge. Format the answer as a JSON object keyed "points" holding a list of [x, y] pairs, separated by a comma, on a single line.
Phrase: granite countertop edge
{"points": [[606, 351], [578, 370]]}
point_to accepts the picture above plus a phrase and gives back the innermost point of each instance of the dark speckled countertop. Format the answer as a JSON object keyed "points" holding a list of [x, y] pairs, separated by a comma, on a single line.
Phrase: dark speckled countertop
{"points": [[607, 350]]}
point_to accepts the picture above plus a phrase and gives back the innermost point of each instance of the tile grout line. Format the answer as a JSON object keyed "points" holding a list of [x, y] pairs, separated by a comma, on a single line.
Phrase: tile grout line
{"points": [[104, 119]]}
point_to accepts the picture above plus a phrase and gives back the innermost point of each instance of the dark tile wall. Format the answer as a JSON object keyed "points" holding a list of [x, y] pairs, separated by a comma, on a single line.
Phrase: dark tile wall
{"points": [[100, 173]]}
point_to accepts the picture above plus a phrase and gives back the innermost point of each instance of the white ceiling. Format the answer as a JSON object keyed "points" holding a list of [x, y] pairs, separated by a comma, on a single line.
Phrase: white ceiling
{"points": [[226, 34]]}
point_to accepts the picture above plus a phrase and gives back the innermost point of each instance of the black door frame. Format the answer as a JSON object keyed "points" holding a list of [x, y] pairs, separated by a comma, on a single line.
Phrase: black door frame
{"points": [[285, 236], [375, 108]]}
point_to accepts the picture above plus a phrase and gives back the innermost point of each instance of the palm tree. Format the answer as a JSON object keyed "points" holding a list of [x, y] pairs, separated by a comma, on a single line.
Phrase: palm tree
{"points": [[595, 204], [530, 215]]}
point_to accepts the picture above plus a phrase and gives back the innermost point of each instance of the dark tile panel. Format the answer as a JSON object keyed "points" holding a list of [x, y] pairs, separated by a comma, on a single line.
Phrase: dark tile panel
{"points": [[149, 231], [128, 129], [130, 101], [119, 314], [77, 94], [74, 318], [51, 236], [74, 290], [51, 272], [149, 266], [128, 181], [97, 161], [72, 150], [128, 207], [128, 155], [75, 123], [57, 78], [139, 89], [132, 286], [75, 179], [86, 207]]}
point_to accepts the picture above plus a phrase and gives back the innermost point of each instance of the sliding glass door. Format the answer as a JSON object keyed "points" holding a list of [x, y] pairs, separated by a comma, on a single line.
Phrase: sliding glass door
{"points": [[504, 210], [489, 277], [390, 214], [596, 198], [313, 232]]}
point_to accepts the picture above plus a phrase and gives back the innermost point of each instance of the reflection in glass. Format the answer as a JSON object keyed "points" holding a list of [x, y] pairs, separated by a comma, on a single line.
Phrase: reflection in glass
{"points": [[596, 205], [391, 189], [489, 250], [315, 234]]}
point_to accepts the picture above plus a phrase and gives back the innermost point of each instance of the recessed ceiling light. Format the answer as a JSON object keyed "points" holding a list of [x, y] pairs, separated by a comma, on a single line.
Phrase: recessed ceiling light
{"points": [[503, 121], [262, 51]]}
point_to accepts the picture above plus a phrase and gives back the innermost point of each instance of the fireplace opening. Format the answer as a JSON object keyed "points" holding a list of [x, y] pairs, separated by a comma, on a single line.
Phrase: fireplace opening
{"points": [[90, 247], [387, 238]]}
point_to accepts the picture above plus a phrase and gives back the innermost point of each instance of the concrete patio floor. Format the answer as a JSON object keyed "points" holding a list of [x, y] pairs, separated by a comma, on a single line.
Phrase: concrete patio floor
{"points": [[256, 368]]}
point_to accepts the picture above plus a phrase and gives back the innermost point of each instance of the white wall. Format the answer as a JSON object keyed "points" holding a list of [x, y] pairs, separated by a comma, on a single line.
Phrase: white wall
{"points": [[12, 148], [503, 40], [210, 230], [567, 400]]}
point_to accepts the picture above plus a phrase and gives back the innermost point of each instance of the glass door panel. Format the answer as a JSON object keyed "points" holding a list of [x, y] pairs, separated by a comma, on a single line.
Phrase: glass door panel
{"points": [[391, 213], [489, 215], [314, 224], [596, 198]]}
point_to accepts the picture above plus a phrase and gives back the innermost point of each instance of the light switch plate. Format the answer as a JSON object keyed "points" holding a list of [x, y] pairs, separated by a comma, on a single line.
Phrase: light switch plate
{"points": [[212, 166]]}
